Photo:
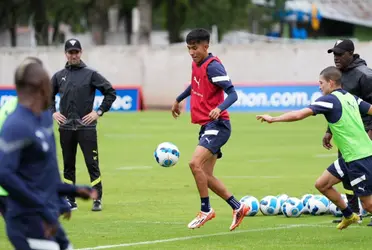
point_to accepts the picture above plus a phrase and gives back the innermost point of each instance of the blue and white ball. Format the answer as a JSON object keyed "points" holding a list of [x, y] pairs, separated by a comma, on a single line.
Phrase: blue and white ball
{"points": [[362, 211], [269, 205], [318, 205], [167, 154], [282, 198], [305, 198], [334, 210], [252, 203], [292, 207]]}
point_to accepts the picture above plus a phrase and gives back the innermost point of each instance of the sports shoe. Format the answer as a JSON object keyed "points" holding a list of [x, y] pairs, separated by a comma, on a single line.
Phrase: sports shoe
{"points": [[359, 221], [354, 218], [201, 219], [238, 215], [97, 206], [73, 205]]}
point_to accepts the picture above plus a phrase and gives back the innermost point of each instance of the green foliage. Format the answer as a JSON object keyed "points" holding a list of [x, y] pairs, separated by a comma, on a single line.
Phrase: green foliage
{"points": [[225, 14]]}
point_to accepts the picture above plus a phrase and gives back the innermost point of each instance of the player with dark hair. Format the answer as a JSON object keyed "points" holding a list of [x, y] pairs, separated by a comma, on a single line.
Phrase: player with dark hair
{"points": [[29, 170], [356, 79], [343, 113], [209, 81]]}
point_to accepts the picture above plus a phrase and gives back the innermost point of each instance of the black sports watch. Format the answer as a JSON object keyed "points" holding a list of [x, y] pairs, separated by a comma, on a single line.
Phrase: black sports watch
{"points": [[99, 112]]}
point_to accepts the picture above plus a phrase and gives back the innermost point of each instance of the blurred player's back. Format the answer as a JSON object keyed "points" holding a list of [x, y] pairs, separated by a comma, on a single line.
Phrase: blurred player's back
{"points": [[34, 136]]}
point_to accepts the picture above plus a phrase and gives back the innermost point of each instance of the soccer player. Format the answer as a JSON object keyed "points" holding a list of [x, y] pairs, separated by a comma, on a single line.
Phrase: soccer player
{"points": [[209, 81], [343, 113], [5, 110], [357, 80], [29, 171]]}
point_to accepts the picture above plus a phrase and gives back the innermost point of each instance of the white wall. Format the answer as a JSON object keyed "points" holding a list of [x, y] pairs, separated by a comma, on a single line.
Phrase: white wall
{"points": [[164, 71]]}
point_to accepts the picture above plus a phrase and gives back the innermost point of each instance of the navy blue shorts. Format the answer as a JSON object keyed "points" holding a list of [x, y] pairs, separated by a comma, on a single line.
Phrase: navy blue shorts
{"points": [[359, 173], [338, 169], [27, 233], [214, 135], [2, 205]]}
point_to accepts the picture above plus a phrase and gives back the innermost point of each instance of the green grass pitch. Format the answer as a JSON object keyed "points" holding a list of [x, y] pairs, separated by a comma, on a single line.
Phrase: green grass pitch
{"points": [[146, 206]]}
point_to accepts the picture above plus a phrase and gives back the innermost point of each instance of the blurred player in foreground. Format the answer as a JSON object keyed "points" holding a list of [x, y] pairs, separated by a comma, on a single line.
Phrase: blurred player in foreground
{"points": [[209, 81], [343, 113], [29, 171]]}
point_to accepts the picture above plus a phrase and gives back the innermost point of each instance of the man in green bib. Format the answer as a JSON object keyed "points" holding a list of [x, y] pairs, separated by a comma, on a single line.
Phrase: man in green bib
{"points": [[5, 110], [343, 113]]}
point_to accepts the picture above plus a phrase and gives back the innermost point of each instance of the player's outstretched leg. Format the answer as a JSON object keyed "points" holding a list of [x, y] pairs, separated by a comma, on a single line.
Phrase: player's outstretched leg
{"points": [[240, 210], [325, 185], [199, 158]]}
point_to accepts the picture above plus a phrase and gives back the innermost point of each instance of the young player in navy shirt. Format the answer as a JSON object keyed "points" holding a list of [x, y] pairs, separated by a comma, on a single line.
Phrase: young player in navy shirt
{"points": [[209, 81]]}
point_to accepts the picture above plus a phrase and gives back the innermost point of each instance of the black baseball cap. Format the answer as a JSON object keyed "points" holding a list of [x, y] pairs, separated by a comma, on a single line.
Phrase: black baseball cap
{"points": [[342, 46], [72, 44]]}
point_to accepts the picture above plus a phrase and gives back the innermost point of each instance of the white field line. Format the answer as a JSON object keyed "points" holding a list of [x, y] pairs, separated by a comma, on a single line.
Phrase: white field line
{"points": [[201, 236]]}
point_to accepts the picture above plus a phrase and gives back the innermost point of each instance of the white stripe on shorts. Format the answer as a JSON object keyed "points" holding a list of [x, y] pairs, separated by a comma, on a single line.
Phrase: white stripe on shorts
{"points": [[38, 244], [358, 180], [338, 168], [211, 132]]}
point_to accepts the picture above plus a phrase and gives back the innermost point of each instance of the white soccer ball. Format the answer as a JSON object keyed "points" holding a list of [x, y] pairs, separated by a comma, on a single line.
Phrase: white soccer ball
{"points": [[282, 198], [167, 154], [305, 198], [362, 211], [292, 207], [334, 210], [269, 205], [318, 205], [252, 203]]}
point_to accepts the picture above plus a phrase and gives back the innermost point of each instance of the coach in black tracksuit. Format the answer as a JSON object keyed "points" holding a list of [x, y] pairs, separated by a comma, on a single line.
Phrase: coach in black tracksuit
{"points": [[77, 120], [356, 79]]}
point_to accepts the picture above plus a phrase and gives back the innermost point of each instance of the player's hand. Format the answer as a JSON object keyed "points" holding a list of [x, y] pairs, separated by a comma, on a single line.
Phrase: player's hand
{"points": [[67, 215], [49, 229], [327, 141], [87, 192], [264, 118], [215, 113], [176, 111], [91, 117], [59, 118]]}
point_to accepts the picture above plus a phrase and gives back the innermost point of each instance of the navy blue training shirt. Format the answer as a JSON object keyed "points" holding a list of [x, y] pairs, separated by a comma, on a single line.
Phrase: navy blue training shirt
{"points": [[217, 75], [330, 106], [29, 169]]}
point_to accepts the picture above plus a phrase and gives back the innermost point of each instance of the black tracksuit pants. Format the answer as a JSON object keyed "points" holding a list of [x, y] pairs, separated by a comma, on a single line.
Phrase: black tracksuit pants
{"points": [[87, 139]]}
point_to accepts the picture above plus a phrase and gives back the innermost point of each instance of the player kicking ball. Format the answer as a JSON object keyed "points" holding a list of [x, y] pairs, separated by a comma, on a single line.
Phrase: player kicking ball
{"points": [[342, 111], [209, 81]]}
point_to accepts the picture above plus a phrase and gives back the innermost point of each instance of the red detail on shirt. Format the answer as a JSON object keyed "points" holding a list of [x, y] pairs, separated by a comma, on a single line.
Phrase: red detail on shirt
{"points": [[205, 96]]}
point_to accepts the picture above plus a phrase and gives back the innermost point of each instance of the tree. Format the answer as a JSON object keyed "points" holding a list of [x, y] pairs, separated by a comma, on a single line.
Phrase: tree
{"points": [[41, 22], [145, 27], [176, 11], [125, 12], [10, 11]]}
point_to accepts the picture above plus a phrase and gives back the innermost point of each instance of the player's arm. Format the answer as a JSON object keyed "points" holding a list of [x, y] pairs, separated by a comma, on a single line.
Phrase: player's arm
{"points": [[217, 75], [186, 93], [323, 105], [13, 139], [364, 107], [287, 117], [105, 87], [65, 189], [176, 110]]}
